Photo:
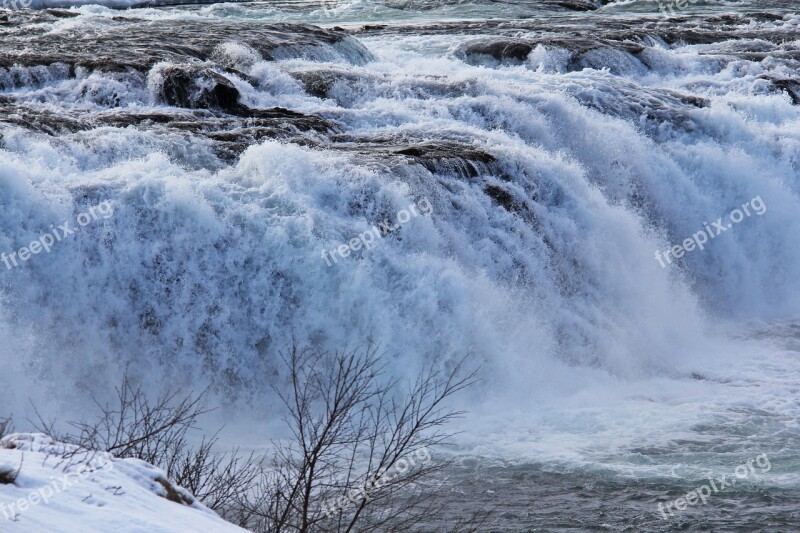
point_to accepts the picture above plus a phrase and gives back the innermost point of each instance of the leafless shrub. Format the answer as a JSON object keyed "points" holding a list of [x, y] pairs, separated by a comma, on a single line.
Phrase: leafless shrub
{"points": [[136, 427], [6, 426], [156, 432], [218, 480], [347, 423]]}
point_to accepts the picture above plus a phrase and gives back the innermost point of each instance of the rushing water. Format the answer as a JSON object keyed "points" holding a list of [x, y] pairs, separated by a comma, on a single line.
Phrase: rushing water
{"points": [[549, 148]]}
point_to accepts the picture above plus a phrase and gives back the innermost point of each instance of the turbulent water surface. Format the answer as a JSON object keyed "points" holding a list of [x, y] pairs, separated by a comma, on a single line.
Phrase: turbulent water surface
{"points": [[548, 149]]}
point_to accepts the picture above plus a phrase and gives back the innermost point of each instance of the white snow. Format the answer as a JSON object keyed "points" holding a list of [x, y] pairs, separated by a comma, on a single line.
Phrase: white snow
{"points": [[62, 488]]}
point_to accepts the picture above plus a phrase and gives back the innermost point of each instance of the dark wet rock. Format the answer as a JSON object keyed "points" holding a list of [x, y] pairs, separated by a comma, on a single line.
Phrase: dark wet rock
{"points": [[232, 134], [681, 36], [210, 124], [499, 50], [791, 87], [124, 43], [198, 87], [690, 99], [502, 197], [320, 82], [48, 121], [582, 5], [348, 87], [585, 52], [201, 87], [580, 34], [453, 158], [771, 17], [63, 13], [450, 157]]}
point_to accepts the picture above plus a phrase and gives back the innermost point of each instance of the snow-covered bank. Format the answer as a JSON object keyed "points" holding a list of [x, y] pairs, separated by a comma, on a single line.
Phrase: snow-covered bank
{"points": [[55, 487]]}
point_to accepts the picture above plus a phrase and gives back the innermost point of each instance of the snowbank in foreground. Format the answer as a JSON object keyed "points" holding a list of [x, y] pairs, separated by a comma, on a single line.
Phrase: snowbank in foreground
{"points": [[49, 486]]}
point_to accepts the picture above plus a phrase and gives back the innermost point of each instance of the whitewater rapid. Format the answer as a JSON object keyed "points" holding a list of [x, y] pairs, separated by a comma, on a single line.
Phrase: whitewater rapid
{"points": [[556, 159]]}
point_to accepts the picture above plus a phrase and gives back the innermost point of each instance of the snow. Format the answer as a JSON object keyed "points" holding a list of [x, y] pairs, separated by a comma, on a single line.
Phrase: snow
{"points": [[61, 488]]}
